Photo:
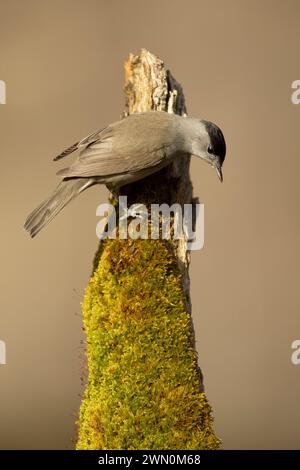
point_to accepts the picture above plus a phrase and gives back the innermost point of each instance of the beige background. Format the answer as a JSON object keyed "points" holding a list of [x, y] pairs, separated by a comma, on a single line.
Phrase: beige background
{"points": [[63, 65]]}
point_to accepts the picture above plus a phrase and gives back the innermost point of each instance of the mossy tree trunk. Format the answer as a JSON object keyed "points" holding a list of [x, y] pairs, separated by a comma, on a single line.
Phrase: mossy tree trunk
{"points": [[145, 387]]}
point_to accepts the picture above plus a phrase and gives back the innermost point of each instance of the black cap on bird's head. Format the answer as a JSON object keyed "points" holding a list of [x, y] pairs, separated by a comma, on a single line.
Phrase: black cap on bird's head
{"points": [[217, 147]]}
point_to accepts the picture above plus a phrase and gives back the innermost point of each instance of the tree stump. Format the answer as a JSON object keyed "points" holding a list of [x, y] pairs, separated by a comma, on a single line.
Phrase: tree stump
{"points": [[144, 388]]}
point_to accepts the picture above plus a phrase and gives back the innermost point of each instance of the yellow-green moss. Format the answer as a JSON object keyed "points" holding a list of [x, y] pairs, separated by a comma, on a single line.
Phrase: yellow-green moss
{"points": [[144, 389]]}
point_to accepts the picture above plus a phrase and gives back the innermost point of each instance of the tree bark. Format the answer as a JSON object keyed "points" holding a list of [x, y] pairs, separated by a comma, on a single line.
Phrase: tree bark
{"points": [[145, 388]]}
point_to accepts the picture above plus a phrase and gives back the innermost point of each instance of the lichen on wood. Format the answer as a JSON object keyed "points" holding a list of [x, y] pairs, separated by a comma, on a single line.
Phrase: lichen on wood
{"points": [[144, 388]]}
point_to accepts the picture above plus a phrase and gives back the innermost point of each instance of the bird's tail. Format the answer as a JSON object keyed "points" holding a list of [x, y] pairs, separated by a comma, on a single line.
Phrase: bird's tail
{"points": [[47, 210]]}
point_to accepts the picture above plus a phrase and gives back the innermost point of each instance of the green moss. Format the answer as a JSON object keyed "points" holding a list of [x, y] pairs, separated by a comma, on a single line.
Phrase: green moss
{"points": [[144, 390]]}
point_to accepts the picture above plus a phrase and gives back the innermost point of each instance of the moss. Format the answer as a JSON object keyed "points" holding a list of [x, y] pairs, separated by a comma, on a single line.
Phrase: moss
{"points": [[144, 390]]}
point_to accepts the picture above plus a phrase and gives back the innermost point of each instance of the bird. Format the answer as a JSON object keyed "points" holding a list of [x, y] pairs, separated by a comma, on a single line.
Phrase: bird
{"points": [[129, 150]]}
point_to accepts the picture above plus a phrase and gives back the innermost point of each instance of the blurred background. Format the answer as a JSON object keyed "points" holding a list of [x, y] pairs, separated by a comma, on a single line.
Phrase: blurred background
{"points": [[62, 61]]}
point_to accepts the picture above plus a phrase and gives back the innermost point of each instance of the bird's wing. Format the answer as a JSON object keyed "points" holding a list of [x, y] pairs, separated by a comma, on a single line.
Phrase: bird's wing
{"points": [[66, 152], [100, 155], [105, 163], [81, 143]]}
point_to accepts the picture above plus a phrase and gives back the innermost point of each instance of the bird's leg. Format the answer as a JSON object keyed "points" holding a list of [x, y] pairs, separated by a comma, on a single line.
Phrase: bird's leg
{"points": [[114, 192], [135, 211]]}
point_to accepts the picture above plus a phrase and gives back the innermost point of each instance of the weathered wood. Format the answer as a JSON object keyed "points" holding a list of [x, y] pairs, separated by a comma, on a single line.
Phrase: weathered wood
{"points": [[150, 87]]}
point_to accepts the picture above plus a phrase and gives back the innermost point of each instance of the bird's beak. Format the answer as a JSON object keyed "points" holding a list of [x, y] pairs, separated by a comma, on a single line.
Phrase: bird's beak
{"points": [[219, 172]]}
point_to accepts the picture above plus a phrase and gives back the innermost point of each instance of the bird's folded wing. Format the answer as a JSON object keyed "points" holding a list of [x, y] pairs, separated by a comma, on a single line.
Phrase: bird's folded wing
{"points": [[80, 144], [133, 144], [103, 163], [101, 158]]}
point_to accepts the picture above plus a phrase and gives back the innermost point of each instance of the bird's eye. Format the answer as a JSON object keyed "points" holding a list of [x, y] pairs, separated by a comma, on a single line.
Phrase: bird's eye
{"points": [[209, 149]]}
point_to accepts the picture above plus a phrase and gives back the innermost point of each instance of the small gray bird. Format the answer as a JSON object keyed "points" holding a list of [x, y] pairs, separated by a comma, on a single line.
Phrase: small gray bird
{"points": [[127, 151]]}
